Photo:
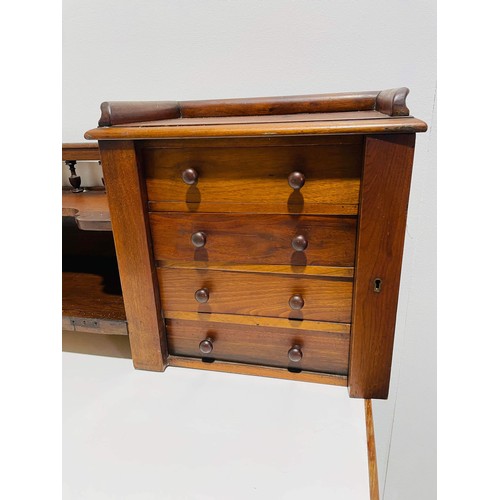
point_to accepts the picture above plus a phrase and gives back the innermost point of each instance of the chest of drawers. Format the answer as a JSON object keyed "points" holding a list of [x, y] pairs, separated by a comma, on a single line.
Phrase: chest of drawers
{"points": [[262, 236]]}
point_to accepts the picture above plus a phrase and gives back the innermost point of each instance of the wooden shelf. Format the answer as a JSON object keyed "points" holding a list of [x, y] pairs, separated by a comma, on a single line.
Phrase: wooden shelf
{"points": [[89, 208], [92, 298]]}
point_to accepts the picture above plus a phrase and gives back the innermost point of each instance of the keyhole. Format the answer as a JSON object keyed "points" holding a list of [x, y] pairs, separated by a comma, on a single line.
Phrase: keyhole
{"points": [[377, 285]]}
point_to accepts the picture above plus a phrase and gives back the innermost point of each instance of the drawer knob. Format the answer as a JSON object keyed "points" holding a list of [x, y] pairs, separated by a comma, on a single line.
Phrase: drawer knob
{"points": [[201, 295], [207, 346], [294, 354], [190, 176], [296, 180], [199, 239], [299, 243], [296, 302]]}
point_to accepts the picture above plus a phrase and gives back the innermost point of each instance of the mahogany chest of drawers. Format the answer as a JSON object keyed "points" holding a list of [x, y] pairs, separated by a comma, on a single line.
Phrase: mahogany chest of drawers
{"points": [[262, 236]]}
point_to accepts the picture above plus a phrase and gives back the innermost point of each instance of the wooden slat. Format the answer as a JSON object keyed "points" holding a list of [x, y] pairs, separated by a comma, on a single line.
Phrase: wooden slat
{"points": [[333, 272], [229, 237], [325, 352], [239, 319], [259, 371], [326, 299], [127, 204], [382, 222], [255, 175], [80, 151], [372, 451], [96, 326], [395, 125], [269, 207]]}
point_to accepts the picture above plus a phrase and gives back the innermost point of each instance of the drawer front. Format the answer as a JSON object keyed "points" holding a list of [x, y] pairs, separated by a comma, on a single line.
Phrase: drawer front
{"points": [[320, 351], [257, 294], [254, 239], [254, 175]]}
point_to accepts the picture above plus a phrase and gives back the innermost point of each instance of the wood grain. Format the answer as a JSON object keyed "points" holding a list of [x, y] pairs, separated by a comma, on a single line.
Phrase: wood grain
{"points": [[333, 272], [391, 125], [92, 293], [90, 209], [382, 222], [255, 175], [94, 325], [330, 240], [269, 346], [326, 299], [259, 371], [127, 204], [372, 452], [267, 207], [239, 319], [80, 151], [117, 112]]}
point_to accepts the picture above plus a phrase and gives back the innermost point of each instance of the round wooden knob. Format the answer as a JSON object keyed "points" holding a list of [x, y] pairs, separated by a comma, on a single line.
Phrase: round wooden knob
{"points": [[201, 295], [207, 346], [199, 239], [190, 176], [296, 302], [296, 180], [294, 354], [299, 243]]}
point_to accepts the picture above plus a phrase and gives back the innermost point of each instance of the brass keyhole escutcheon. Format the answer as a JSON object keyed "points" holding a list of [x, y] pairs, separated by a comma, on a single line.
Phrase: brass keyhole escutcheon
{"points": [[377, 285]]}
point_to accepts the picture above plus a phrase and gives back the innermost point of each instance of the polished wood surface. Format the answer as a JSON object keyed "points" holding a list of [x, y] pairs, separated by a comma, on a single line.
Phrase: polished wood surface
{"points": [[80, 151], [267, 207], [265, 322], [381, 232], [255, 175], [92, 298], [127, 204], [334, 272], [391, 102], [330, 240], [90, 209], [372, 452], [258, 370], [322, 351], [376, 125], [326, 299]]}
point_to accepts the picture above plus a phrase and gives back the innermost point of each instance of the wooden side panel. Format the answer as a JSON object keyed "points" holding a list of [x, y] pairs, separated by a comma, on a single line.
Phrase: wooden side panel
{"points": [[127, 205], [256, 294], [382, 222], [254, 239], [322, 351]]}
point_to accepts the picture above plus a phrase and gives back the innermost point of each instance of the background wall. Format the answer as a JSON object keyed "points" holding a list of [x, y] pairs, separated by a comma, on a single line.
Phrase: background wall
{"points": [[202, 49]]}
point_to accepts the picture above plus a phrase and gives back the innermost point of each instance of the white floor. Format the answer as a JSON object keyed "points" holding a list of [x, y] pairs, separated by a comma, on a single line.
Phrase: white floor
{"points": [[194, 435]]}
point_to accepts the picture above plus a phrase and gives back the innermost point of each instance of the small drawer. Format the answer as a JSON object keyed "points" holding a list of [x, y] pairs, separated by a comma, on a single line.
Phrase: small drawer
{"points": [[282, 179], [255, 294], [257, 239], [310, 350]]}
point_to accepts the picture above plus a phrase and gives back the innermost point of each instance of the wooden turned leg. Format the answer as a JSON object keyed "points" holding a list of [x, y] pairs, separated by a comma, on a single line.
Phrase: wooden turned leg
{"points": [[74, 179]]}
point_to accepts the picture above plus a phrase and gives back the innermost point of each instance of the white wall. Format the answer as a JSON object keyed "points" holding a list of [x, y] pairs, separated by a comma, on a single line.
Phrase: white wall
{"points": [[201, 49]]}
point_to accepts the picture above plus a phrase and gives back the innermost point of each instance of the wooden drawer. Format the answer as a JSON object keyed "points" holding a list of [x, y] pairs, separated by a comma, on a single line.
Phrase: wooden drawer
{"points": [[254, 177], [322, 351], [254, 239], [258, 294]]}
